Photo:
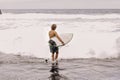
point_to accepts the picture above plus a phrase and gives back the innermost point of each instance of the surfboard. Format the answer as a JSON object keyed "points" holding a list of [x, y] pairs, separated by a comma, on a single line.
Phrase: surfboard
{"points": [[66, 38]]}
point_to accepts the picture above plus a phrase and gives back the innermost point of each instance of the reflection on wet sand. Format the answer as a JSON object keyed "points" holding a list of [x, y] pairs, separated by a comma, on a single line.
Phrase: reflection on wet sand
{"points": [[55, 73]]}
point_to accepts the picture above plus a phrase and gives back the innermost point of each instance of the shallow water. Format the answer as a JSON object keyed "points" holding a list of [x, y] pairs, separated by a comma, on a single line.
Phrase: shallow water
{"points": [[16, 67]]}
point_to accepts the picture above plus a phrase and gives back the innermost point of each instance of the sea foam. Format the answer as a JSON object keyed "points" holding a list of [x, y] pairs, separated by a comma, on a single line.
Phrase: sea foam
{"points": [[94, 35]]}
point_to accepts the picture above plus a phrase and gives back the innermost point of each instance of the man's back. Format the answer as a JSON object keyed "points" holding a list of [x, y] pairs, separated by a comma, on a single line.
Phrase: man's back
{"points": [[52, 33]]}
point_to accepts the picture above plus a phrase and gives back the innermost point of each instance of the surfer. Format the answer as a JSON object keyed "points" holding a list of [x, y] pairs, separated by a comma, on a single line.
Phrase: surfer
{"points": [[53, 48]]}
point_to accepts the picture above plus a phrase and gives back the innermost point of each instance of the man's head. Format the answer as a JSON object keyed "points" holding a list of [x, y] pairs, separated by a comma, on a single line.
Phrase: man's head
{"points": [[53, 27]]}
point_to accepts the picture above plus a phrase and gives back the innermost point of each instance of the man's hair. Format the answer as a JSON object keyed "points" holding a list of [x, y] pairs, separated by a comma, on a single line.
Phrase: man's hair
{"points": [[53, 27]]}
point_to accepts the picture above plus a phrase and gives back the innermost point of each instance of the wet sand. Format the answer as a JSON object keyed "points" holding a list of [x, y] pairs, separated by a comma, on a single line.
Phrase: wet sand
{"points": [[16, 67]]}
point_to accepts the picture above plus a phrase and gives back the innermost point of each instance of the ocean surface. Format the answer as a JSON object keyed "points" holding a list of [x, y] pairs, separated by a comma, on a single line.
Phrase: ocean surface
{"points": [[16, 67], [96, 32]]}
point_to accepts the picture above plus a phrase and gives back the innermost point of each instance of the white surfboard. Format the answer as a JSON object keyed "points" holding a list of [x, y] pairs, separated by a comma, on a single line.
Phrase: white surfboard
{"points": [[66, 38]]}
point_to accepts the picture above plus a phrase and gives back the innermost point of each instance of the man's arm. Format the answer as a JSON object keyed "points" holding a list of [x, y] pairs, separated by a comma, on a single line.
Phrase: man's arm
{"points": [[59, 38]]}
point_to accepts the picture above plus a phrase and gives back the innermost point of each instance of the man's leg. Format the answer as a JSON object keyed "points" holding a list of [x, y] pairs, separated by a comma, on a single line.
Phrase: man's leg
{"points": [[56, 56], [57, 51], [53, 57]]}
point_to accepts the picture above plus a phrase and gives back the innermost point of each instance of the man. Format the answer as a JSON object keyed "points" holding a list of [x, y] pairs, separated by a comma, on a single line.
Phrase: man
{"points": [[53, 48]]}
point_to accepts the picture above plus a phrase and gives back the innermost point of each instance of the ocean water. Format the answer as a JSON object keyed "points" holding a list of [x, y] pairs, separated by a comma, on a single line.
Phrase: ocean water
{"points": [[96, 32]]}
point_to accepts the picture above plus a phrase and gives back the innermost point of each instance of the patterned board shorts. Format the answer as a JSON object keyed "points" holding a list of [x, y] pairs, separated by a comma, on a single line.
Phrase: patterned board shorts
{"points": [[53, 47]]}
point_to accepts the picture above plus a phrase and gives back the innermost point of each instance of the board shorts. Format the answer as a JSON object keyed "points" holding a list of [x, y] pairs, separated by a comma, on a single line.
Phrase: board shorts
{"points": [[53, 46]]}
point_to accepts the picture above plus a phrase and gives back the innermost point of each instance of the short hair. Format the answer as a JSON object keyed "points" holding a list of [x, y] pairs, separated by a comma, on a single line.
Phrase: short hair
{"points": [[53, 27]]}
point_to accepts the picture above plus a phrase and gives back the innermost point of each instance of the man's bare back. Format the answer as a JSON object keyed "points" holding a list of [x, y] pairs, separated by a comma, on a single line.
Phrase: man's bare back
{"points": [[53, 33]]}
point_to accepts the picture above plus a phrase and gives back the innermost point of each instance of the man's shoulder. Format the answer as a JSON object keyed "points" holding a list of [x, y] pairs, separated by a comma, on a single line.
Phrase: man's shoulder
{"points": [[52, 31]]}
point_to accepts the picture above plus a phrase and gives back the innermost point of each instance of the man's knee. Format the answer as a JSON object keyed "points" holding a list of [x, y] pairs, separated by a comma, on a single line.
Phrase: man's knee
{"points": [[52, 54], [57, 52]]}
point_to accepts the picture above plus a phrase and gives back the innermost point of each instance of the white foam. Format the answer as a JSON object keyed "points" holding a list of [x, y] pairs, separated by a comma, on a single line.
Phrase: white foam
{"points": [[27, 34]]}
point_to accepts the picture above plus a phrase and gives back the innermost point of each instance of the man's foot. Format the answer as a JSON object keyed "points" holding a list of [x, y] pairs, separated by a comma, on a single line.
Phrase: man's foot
{"points": [[53, 64], [46, 60], [56, 62]]}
